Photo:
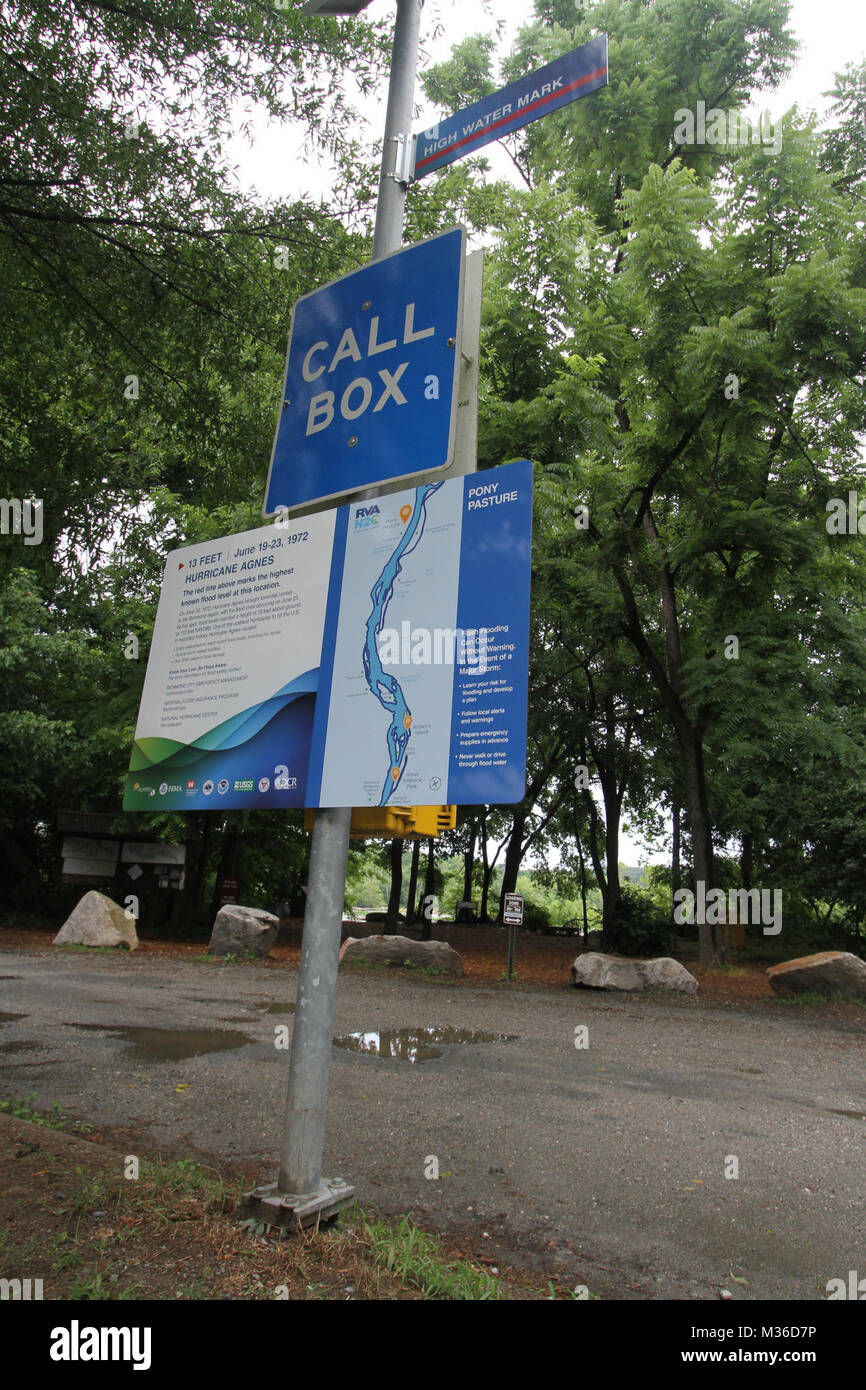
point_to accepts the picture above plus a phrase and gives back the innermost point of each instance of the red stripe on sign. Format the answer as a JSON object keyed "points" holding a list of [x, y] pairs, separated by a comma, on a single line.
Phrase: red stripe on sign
{"points": [[507, 120]]}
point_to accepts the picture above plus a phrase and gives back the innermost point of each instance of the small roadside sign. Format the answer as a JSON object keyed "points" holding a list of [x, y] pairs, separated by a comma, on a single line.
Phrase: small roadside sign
{"points": [[566, 79], [372, 367], [512, 914], [512, 917]]}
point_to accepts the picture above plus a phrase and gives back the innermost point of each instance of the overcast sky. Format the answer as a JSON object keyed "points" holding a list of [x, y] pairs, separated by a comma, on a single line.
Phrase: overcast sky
{"points": [[831, 33]]}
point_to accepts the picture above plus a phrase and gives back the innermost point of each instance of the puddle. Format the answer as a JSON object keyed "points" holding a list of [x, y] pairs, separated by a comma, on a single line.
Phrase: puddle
{"points": [[169, 1044], [414, 1044], [18, 1047], [10, 977], [751, 1071], [852, 1114], [276, 1008], [10, 1018]]}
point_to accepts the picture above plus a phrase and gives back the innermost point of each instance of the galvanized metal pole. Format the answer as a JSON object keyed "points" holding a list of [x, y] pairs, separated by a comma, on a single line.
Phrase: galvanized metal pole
{"points": [[300, 1174], [310, 1065], [388, 232]]}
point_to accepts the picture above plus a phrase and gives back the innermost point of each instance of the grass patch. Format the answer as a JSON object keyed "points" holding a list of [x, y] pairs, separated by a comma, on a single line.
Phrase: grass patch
{"points": [[810, 998], [420, 1261], [177, 1232], [52, 1119], [72, 946]]}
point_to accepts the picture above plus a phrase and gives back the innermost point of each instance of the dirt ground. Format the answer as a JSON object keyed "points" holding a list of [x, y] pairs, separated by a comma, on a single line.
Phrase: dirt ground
{"points": [[70, 1217], [541, 962]]}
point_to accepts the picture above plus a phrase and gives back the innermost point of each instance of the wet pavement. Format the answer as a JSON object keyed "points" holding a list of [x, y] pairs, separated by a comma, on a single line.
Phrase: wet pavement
{"points": [[614, 1160]]}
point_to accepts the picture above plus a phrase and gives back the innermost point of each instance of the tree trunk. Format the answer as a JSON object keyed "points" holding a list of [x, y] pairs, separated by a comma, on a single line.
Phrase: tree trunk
{"points": [[513, 856], [391, 924], [747, 847], [413, 884], [669, 681], [486, 872], [711, 939], [227, 861], [676, 852], [429, 894], [469, 861], [582, 863]]}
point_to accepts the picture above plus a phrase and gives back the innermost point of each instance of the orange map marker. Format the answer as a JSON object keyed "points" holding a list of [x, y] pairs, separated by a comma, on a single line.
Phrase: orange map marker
{"points": [[405, 513]]}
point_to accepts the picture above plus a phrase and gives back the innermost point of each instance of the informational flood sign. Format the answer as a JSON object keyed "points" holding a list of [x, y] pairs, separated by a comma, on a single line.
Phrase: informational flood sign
{"points": [[371, 655], [512, 911], [371, 377], [574, 75]]}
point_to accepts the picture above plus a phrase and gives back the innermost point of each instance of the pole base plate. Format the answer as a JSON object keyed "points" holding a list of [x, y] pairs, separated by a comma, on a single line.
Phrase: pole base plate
{"points": [[294, 1210]]}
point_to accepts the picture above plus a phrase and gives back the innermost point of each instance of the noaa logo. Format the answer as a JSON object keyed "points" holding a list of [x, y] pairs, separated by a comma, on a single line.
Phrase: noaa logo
{"points": [[207, 787], [163, 788], [222, 786], [264, 784]]}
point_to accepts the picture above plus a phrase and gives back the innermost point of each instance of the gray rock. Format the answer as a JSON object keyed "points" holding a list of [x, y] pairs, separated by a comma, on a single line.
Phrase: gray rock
{"points": [[828, 972], [397, 950], [598, 971], [595, 970], [240, 931], [666, 973], [98, 921]]}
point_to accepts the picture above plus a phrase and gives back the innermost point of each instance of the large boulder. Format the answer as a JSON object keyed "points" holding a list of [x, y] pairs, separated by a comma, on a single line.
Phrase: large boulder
{"points": [[827, 973], [400, 950], [666, 973], [241, 931], [98, 921], [595, 970]]}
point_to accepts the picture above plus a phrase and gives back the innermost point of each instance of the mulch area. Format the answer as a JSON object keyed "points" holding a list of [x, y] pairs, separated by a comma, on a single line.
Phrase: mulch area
{"points": [[540, 961]]}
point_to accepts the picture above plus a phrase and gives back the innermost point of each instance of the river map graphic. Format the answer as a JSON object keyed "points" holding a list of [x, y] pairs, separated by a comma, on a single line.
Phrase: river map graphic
{"points": [[385, 686]]}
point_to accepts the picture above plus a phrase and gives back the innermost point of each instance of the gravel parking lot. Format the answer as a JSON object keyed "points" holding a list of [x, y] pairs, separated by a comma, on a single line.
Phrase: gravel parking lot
{"points": [[607, 1163]]}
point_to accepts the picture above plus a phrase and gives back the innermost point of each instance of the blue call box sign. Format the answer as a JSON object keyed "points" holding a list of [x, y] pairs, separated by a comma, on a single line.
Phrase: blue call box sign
{"points": [[566, 79], [371, 376]]}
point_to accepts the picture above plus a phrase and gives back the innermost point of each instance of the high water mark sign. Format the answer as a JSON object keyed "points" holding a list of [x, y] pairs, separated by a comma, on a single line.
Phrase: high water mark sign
{"points": [[566, 79], [371, 655]]}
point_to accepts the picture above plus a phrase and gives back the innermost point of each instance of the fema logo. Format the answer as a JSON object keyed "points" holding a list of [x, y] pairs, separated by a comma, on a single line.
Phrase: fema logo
{"points": [[222, 786], [207, 787], [366, 517], [163, 788], [264, 784]]}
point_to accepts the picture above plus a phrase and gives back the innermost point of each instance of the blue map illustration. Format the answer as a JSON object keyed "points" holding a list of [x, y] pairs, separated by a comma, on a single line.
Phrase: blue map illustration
{"points": [[383, 685]]}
